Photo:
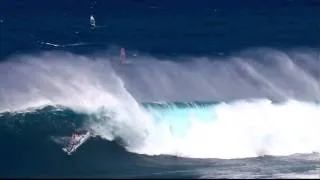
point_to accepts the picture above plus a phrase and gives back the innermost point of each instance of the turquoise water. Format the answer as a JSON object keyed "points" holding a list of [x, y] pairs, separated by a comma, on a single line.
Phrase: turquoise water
{"points": [[179, 116]]}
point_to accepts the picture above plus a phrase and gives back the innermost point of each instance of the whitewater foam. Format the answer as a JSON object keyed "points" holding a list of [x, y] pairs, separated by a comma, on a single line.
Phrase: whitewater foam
{"points": [[243, 129]]}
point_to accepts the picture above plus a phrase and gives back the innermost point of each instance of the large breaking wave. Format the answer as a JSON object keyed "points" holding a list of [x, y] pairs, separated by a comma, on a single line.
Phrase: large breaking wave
{"points": [[243, 121]]}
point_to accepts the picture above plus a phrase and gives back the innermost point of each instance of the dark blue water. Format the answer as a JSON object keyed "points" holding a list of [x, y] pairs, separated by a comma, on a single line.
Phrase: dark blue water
{"points": [[58, 74], [160, 28]]}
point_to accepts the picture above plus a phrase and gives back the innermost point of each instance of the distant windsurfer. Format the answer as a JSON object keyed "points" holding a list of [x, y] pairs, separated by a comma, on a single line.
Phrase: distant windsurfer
{"points": [[92, 21], [122, 55]]}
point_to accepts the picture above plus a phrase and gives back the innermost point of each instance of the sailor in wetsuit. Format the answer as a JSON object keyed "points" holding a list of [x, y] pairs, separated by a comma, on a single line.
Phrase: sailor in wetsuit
{"points": [[73, 139]]}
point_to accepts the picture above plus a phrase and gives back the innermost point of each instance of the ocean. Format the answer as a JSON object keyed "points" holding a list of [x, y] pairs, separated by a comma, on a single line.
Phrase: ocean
{"points": [[213, 89]]}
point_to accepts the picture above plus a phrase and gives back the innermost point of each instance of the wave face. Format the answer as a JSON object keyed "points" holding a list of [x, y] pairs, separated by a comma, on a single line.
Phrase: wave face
{"points": [[113, 99], [240, 129], [234, 130]]}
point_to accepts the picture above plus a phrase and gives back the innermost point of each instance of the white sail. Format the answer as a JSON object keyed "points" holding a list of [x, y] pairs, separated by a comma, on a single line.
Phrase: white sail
{"points": [[92, 21]]}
